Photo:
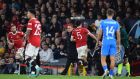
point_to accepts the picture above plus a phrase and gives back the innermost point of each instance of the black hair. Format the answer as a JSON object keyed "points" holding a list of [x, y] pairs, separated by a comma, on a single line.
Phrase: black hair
{"points": [[32, 11]]}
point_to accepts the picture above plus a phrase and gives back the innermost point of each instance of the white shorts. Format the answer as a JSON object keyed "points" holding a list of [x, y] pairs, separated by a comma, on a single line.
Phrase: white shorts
{"points": [[82, 51], [31, 51]]}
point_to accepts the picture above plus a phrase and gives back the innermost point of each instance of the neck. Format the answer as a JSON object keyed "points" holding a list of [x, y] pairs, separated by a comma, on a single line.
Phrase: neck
{"points": [[109, 17], [45, 49], [32, 17]]}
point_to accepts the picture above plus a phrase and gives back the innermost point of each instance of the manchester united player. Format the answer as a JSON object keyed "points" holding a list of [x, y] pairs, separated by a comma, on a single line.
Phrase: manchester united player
{"points": [[15, 40], [79, 35], [33, 37]]}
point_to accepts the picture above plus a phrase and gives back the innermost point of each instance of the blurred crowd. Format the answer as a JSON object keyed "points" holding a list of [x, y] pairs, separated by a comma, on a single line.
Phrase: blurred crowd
{"points": [[55, 15]]}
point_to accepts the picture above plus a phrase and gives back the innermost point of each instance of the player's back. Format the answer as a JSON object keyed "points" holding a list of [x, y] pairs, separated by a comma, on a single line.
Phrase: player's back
{"points": [[109, 28], [80, 36], [34, 37]]}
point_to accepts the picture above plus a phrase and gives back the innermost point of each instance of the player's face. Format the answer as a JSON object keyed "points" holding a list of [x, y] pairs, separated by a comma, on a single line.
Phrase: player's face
{"points": [[44, 47], [13, 29]]}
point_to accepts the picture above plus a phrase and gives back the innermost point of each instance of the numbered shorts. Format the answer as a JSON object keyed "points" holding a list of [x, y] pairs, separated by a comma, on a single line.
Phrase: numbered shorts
{"points": [[82, 51], [108, 49], [31, 51]]}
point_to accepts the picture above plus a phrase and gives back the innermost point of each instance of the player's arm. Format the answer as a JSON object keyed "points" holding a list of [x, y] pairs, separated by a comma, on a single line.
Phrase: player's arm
{"points": [[8, 40], [10, 44], [72, 38], [29, 28], [118, 39], [99, 34], [27, 33], [93, 36]]}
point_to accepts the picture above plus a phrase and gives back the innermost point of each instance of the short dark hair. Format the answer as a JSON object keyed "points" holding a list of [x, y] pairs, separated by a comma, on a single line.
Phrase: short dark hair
{"points": [[32, 11], [110, 12]]}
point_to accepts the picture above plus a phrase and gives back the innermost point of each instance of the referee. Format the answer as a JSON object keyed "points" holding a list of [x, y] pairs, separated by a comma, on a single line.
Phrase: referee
{"points": [[71, 50]]}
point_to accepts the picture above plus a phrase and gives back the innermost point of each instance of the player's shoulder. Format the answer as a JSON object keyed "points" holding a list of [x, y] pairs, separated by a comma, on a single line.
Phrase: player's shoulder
{"points": [[102, 21], [74, 30], [84, 29], [33, 20], [19, 32], [10, 33], [36, 20]]}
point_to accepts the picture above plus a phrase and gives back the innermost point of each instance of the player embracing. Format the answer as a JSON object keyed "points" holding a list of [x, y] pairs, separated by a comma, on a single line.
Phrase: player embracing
{"points": [[15, 42], [110, 29], [79, 35], [33, 36]]}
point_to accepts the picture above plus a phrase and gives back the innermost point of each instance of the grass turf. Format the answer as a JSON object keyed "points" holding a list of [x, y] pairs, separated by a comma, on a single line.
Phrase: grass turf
{"points": [[14, 76]]}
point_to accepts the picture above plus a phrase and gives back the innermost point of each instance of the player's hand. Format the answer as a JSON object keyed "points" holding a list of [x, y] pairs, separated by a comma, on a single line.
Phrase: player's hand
{"points": [[100, 43], [23, 44]]}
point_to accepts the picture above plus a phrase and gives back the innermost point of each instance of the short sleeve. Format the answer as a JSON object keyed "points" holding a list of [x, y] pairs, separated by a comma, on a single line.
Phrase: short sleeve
{"points": [[8, 35], [72, 34], [101, 24], [30, 24], [87, 31], [21, 34], [117, 26]]}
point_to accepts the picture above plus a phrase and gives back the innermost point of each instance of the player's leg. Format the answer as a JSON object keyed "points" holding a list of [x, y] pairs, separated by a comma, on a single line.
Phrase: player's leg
{"points": [[30, 54], [112, 54], [104, 53], [120, 66], [127, 66], [35, 63], [67, 67], [82, 57], [19, 58], [112, 65]]}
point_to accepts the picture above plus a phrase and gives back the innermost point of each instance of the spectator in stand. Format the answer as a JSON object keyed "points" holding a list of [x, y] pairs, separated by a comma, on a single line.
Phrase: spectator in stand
{"points": [[45, 26], [55, 26], [46, 54], [15, 21], [59, 48], [9, 64], [137, 15], [1, 64], [2, 48], [67, 22], [90, 19]]}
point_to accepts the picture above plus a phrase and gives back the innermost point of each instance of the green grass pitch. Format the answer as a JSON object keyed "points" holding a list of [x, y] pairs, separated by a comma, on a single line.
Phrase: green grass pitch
{"points": [[14, 76]]}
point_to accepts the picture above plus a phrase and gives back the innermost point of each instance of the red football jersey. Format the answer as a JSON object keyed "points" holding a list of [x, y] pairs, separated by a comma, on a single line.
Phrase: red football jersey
{"points": [[16, 38], [80, 36], [35, 26]]}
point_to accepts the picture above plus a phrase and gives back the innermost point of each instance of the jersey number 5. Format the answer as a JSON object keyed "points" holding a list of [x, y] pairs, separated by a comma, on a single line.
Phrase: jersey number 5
{"points": [[79, 36], [38, 29]]}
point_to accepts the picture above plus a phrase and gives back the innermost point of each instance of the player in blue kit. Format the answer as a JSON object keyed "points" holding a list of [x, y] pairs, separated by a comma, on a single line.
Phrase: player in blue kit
{"points": [[110, 46]]}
